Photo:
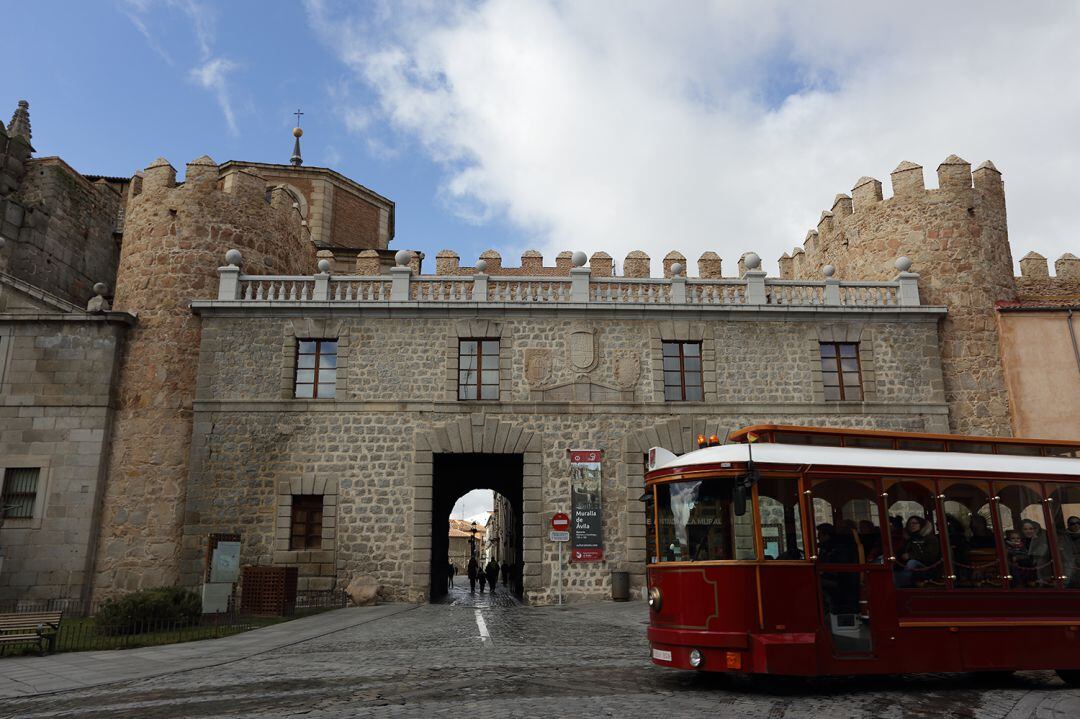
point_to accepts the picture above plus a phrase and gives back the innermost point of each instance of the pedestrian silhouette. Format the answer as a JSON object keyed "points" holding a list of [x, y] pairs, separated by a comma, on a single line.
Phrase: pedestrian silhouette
{"points": [[505, 569], [492, 570], [451, 570], [474, 569], [481, 577]]}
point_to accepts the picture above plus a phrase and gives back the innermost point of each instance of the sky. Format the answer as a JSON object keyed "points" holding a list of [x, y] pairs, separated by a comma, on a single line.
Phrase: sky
{"points": [[474, 506], [608, 125]]}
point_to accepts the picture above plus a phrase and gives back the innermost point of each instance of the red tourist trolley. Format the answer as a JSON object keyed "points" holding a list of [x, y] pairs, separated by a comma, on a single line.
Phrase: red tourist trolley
{"points": [[807, 551]]}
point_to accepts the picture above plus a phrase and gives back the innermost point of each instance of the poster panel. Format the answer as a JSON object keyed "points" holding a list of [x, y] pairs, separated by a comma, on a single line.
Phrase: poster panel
{"points": [[586, 537]]}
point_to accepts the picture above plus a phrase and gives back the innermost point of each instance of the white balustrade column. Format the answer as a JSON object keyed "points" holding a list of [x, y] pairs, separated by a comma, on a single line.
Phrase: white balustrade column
{"points": [[907, 294], [321, 291], [579, 284], [832, 291], [755, 287], [228, 282], [399, 283], [480, 288], [678, 290]]}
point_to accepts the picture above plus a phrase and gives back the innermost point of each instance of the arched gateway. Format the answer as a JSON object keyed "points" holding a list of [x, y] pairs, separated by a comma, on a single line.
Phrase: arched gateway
{"points": [[493, 445]]}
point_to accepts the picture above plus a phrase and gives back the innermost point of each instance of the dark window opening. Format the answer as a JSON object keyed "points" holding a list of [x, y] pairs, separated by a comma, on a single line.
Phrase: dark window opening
{"points": [[307, 514]]}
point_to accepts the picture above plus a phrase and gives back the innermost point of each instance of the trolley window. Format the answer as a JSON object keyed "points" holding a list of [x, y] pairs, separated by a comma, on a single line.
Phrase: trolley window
{"points": [[847, 522], [1023, 528], [972, 537], [1065, 506], [914, 535], [698, 522], [779, 518]]}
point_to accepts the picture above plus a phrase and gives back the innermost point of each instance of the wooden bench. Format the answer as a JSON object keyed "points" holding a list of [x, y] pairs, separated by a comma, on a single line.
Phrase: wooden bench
{"points": [[40, 628]]}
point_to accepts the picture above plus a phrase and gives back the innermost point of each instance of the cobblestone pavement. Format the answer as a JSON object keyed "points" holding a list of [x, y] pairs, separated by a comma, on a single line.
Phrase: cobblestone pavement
{"points": [[582, 660], [460, 596]]}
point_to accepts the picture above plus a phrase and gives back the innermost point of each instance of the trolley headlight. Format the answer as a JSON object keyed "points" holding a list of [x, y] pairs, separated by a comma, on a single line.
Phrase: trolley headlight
{"points": [[655, 599], [695, 658]]}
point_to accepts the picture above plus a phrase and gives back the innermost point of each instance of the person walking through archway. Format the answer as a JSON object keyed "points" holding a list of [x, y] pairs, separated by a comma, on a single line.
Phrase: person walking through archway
{"points": [[451, 570], [474, 569], [492, 570], [481, 576]]}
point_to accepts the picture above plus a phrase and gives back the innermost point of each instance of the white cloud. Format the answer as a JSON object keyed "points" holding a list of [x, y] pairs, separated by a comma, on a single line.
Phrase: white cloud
{"points": [[637, 125], [213, 76], [210, 73], [474, 506]]}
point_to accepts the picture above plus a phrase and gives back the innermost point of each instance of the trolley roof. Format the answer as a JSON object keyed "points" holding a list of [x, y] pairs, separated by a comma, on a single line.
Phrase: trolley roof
{"points": [[798, 454]]}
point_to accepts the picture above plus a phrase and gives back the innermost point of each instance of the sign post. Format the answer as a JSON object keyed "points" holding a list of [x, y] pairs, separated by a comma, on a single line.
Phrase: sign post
{"points": [[560, 526]]}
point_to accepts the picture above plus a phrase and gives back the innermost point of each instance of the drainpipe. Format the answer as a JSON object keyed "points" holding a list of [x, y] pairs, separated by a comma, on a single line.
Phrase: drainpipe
{"points": [[1072, 336]]}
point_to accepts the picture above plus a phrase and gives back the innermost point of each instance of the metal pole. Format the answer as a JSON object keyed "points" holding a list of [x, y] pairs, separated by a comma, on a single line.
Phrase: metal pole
{"points": [[560, 573]]}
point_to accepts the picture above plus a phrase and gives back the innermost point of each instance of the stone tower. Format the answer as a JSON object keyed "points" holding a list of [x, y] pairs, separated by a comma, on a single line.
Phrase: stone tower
{"points": [[175, 236], [957, 239]]}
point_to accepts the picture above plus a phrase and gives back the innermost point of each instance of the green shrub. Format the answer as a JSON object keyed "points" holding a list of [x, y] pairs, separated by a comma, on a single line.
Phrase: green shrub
{"points": [[148, 610]]}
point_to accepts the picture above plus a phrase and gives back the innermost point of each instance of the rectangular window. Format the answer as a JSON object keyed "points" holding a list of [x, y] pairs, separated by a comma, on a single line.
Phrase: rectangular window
{"points": [[306, 532], [840, 371], [316, 368], [682, 372], [19, 493], [478, 369]]}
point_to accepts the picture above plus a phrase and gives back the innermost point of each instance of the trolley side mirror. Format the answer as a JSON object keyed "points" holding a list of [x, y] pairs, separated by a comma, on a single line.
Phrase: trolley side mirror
{"points": [[738, 498]]}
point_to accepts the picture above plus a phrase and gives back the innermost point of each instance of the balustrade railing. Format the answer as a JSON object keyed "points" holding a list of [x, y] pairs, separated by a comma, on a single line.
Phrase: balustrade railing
{"points": [[401, 286]]}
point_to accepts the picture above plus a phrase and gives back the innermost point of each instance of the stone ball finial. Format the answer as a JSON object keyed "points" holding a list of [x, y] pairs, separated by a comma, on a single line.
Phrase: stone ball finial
{"points": [[233, 257], [403, 257], [676, 269], [481, 266], [752, 261], [903, 263], [578, 259], [828, 271], [100, 288], [324, 265]]}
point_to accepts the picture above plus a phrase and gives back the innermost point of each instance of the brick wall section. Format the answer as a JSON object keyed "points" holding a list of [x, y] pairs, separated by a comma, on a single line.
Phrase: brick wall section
{"points": [[957, 238], [355, 223], [248, 440], [175, 237], [56, 381], [60, 227]]}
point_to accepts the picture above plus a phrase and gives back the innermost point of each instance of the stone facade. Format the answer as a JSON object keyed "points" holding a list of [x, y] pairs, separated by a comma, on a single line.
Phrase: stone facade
{"points": [[57, 376], [395, 409], [175, 416]]}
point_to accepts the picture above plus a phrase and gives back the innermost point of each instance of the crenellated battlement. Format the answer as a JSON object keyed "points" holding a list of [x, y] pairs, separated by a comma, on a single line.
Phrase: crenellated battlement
{"points": [[636, 264]]}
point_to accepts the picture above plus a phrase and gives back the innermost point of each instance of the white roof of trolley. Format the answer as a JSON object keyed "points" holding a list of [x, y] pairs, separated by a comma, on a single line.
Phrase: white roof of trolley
{"points": [[798, 454]]}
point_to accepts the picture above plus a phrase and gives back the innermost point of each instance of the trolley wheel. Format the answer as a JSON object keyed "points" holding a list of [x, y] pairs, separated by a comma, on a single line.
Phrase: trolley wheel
{"points": [[1069, 676]]}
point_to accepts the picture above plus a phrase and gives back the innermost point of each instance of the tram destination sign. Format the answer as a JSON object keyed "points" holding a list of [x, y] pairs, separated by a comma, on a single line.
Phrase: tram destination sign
{"points": [[586, 528]]}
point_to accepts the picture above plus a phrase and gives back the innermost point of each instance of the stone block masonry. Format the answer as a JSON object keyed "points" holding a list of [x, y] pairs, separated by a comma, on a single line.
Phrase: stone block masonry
{"points": [[394, 409], [174, 235], [957, 238]]}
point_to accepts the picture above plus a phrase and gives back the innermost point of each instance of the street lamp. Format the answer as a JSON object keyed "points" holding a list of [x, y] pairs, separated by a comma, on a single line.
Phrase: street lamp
{"points": [[472, 540]]}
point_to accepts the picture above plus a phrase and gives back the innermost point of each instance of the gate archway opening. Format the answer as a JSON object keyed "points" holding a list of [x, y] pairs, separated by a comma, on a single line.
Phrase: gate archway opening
{"points": [[455, 475]]}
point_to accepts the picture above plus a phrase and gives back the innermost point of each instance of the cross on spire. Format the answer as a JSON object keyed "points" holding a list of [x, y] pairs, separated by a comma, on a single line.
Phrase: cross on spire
{"points": [[296, 159]]}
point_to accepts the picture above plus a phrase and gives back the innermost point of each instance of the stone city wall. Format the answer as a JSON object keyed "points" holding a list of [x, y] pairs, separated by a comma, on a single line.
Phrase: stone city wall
{"points": [[957, 239], [253, 443], [174, 236], [59, 228]]}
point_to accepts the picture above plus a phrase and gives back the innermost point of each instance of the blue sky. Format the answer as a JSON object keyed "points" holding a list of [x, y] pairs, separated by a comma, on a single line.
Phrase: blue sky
{"points": [[109, 100], [604, 125]]}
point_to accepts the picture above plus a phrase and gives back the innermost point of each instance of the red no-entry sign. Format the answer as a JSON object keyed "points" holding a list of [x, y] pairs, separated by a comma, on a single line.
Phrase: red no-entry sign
{"points": [[560, 522]]}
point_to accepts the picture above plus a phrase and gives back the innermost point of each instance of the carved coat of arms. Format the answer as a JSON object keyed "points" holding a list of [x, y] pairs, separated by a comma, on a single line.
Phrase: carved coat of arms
{"points": [[537, 366], [627, 369], [583, 349]]}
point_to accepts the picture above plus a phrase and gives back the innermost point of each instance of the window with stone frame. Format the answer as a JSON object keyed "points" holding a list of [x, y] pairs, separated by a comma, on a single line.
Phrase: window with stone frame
{"points": [[840, 372], [682, 372], [307, 521], [316, 368], [19, 492], [478, 369]]}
